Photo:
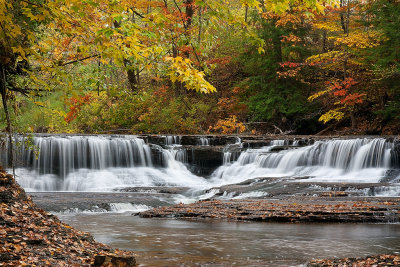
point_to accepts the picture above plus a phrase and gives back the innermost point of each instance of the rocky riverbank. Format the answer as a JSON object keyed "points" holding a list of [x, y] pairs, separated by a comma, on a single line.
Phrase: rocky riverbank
{"points": [[291, 209], [379, 260], [29, 236]]}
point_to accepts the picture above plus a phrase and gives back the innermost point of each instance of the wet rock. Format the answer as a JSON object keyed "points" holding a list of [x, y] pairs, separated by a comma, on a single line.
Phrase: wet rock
{"points": [[155, 190], [204, 160], [94, 201], [293, 209]]}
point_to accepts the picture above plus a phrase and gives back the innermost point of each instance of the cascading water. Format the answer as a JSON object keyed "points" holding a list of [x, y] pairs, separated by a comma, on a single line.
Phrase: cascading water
{"points": [[360, 160], [227, 158], [204, 141], [62, 155], [105, 163], [172, 140], [96, 163]]}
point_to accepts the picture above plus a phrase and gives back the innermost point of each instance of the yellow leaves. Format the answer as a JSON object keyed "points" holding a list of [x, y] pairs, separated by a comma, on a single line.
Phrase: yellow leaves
{"points": [[20, 51], [330, 26], [361, 39], [326, 59], [181, 70], [333, 114], [319, 7], [318, 94], [260, 50]]}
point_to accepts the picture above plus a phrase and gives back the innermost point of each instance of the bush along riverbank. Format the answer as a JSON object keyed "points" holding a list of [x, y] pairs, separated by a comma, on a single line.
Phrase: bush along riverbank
{"points": [[29, 236]]}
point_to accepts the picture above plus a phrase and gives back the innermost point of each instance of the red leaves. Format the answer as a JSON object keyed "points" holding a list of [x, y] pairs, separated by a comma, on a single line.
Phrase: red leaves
{"points": [[340, 93], [75, 106], [220, 60], [353, 99], [341, 90], [290, 64]]}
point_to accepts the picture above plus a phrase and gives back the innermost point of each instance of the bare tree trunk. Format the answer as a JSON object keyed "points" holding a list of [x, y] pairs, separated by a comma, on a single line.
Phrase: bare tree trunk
{"points": [[3, 92], [132, 79], [348, 18], [200, 26], [342, 21], [324, 38], [189, 12]]}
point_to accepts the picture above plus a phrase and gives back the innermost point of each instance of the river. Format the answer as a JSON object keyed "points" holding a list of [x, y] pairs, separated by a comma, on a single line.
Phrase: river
{"points": [[95, 182], [169, 242]]}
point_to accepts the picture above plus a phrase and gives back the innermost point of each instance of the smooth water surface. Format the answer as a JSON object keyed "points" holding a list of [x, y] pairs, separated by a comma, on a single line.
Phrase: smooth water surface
{"points": [[168, 242]]}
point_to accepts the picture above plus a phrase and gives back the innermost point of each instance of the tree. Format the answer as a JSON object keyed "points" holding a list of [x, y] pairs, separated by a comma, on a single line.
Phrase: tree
{"points": [[342, 73], [384, 17]]}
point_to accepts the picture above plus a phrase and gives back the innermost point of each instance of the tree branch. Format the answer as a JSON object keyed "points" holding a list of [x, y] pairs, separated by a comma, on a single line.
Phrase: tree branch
{"points": [[77, 60]]}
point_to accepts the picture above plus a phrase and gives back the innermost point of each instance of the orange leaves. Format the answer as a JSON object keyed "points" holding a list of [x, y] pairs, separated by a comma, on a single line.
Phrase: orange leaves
{"points": [[344, 99], [340, 93], [291, 39], [353, 99], [342, 89], [75, 105], [228, 126], [220, 60], [291, 69]]}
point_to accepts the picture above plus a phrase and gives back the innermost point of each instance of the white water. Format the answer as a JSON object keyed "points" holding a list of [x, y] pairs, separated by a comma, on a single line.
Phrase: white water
{"points": [[355, 160], [97, 163], [114, 208], [204, 141]]}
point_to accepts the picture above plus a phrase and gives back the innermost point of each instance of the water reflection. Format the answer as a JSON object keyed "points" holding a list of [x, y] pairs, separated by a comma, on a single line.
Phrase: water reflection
{"points": [[161, 242]]}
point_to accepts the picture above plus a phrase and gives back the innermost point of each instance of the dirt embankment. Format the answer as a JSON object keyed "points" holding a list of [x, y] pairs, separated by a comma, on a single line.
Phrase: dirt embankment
{"points": [[30, 236]]}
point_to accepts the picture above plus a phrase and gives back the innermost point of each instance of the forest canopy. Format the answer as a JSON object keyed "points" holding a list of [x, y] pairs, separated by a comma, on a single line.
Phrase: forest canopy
{"points": [[199, 66]]}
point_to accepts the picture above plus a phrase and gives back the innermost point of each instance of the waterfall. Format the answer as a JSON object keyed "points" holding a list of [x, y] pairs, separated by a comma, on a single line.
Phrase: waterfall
{"points": [[172, 140], [279, 142], [227, 158], [97, 163], [204, 141], [104, 163], [333, 160], [62, 155], [179, 155]]}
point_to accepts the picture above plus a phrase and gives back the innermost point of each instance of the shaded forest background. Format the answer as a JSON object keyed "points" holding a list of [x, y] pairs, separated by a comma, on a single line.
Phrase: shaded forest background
{"points": [[195, 67]]}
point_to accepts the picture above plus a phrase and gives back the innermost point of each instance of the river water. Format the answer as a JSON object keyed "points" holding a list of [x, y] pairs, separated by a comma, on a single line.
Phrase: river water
{"points": [[89, 181], [169, 242]]}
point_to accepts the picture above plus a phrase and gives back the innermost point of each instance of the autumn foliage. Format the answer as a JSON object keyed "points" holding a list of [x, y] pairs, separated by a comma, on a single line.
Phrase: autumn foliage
{"points": [[181, 66]]}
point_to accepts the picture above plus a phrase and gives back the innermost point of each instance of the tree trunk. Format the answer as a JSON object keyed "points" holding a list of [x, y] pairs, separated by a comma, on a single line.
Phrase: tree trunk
{"points": [[353, 120], [132, 79], [200, 26], [3, 92], [189, 12], [342, 20]]}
